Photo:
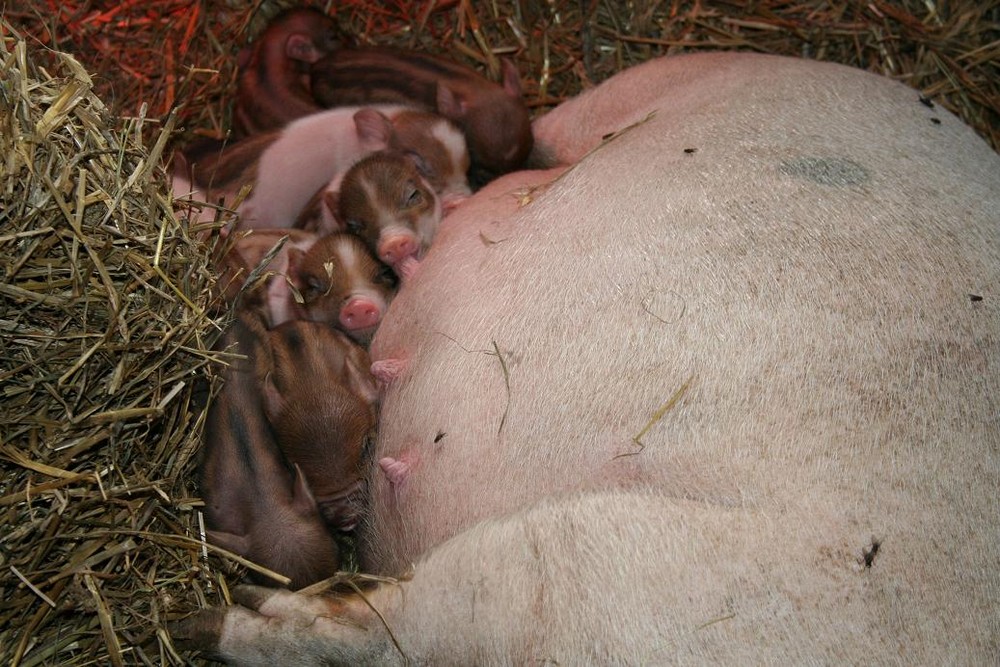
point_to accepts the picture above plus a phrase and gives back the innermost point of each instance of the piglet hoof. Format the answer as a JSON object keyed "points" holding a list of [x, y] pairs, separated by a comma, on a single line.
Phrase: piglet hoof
{"points": [[406, 269], [386, 371], [200, 632]]}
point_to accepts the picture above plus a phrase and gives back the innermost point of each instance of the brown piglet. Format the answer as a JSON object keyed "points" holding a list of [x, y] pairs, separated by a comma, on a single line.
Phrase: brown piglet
{"points": [[342, 284], [320, 399], [255, 504], [273, 83], [493, 116], [385, 201]]}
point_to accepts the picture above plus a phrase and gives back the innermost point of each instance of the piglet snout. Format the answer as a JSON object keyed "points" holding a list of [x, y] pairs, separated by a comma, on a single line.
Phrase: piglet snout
{"points": [[396, 248], [360, 313]]}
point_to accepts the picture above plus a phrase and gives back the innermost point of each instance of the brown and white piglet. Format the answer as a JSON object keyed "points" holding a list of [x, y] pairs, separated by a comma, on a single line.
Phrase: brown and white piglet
{"points": [[342, 284], [320, 400], [432, 144], [493, 117], [273, 85], [272, 295], [255, 504], [386, 201], [285, 168]]}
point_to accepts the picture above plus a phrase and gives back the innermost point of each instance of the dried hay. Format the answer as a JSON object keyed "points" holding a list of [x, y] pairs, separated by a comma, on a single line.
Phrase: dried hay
{"points": [[103, 334]]}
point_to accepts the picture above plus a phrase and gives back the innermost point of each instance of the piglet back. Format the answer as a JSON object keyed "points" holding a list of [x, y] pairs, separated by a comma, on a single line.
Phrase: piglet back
{"points": [[493, 116]]}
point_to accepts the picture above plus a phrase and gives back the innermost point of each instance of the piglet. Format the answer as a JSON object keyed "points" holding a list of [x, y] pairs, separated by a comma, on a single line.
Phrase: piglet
{"points": [[342, 284], [273, 84], [256, 505], [493, 117], [386, 202], [237, 256], [320, 399], [287, 168]]}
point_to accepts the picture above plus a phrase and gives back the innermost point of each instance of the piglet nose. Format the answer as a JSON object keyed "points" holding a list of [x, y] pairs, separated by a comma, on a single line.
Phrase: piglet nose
{"points": [[397, 248], [360, 313]]}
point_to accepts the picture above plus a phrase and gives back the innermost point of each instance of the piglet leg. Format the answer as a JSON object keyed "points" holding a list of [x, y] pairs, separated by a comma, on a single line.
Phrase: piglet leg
{"points": [[264, 628]]}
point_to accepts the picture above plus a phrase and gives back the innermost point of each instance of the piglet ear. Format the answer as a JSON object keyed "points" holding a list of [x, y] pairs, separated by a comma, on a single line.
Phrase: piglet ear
{"points": [[374, 128], [238, 544], [449, 104], [511, 78], [303, 501], [274, 402], [300, 47]]}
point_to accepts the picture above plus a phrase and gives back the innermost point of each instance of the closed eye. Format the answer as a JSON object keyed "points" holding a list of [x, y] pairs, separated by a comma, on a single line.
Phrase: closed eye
{"points": [[414, 197]]}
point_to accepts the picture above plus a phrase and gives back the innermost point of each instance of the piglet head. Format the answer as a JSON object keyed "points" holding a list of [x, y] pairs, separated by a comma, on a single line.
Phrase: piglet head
{"points": [[342, 284], [437, 147], [386, 201], [496, 123]]}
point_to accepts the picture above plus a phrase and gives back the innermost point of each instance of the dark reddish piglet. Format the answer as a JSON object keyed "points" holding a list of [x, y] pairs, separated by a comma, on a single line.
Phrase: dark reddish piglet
{"points": [[320, 399], [493, 117], [255, 504], [273, 83]]}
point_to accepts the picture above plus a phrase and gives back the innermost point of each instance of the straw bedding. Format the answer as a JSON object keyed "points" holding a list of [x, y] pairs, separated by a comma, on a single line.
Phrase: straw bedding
{"points": [[105, 320]]}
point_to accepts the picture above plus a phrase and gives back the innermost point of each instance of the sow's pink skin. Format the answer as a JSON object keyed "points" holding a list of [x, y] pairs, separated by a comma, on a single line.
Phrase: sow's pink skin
{"points": [[273, 83], [731, 379], [320, 400], [493, 117], [256, 505]]}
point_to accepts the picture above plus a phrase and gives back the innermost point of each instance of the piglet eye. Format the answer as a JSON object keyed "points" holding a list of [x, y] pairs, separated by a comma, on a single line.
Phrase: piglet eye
{"points": [[355, 226], [314, 288], [418, 161], [414, 197]]}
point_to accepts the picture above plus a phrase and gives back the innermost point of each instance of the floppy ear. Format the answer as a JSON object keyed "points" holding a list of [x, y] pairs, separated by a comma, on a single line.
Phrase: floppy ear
{"points": [[274, 403], [449, 104], [374, 128], [330, 213], [302, 498], [238, 544], [511, 78], [299, 47]]}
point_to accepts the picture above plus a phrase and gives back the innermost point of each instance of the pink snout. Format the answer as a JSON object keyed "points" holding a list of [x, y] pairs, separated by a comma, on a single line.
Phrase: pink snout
{"points": [[360, 313], [396, 248]]}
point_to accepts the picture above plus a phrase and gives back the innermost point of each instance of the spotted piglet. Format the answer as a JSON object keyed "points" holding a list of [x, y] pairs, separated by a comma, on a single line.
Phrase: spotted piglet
{"points": [[385, 200], [342, 284]]}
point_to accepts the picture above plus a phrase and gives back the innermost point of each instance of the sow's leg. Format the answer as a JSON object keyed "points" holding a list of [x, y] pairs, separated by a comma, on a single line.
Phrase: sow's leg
{"points": [[811, 256]]}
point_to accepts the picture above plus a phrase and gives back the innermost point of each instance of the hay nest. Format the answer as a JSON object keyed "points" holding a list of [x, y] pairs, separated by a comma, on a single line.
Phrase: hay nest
{"points": [[104, 333]]}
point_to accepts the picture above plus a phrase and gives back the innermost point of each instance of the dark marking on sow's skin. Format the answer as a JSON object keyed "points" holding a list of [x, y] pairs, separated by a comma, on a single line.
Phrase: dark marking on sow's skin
{"points": [[926, 101], [835, 171], [869, 552]]}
